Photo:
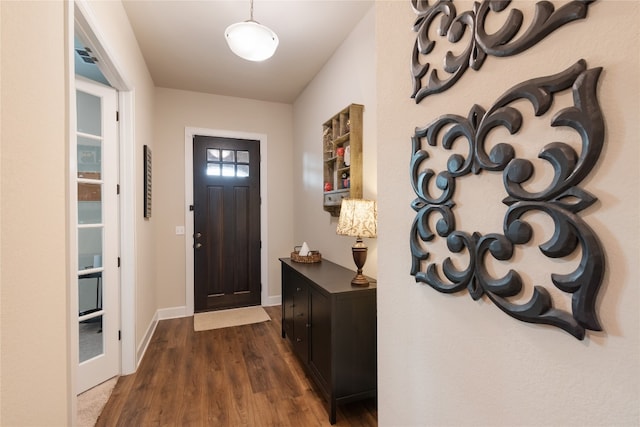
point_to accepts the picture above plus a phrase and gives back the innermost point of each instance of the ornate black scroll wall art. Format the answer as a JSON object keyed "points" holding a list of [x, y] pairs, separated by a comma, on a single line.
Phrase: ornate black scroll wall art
{"points": [[562, 201], [501, 43]]}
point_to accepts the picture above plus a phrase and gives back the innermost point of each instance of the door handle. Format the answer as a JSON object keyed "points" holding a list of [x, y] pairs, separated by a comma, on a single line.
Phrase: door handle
{"points": [[197, 246]]}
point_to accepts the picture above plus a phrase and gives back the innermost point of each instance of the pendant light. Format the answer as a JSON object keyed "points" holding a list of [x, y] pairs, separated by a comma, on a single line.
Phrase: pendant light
{"points": [[250, 40]]}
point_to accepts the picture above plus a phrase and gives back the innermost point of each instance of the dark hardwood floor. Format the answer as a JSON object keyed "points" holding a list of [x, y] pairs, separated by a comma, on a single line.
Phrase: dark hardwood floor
{"points": [[240, 376]]}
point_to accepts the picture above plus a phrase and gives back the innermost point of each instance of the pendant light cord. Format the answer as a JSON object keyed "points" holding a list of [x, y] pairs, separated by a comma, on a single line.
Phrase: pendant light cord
{"points": [[251, 11]]}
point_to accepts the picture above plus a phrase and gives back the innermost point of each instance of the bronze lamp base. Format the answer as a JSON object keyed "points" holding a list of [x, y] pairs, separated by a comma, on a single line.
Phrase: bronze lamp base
{"points": [[359, 251]]}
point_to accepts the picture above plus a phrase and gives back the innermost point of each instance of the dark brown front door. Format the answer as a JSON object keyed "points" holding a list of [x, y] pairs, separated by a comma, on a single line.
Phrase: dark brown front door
{"points": [[226, 195]]}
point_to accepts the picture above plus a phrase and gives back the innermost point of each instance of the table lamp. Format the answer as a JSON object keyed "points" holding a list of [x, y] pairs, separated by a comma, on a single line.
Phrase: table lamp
{"points": [[358, 218]]}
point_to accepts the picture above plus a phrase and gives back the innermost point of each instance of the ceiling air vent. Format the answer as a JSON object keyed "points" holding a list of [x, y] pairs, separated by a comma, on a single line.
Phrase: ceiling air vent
{"points": [[86, 56]]}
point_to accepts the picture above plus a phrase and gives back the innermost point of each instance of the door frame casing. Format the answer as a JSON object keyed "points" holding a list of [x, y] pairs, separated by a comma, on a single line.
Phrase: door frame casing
{"points": [[82, 20], [189, 133]]}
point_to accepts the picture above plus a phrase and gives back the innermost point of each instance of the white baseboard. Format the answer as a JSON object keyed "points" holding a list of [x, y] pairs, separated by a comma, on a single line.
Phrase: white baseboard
{"points": [[275, 300], [172, 312], [161, 314], [142, 348]]}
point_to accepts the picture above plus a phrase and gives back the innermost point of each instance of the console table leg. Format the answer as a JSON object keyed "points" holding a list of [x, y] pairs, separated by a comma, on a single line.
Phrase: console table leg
{"points": [[332, 411], [282, 322]]}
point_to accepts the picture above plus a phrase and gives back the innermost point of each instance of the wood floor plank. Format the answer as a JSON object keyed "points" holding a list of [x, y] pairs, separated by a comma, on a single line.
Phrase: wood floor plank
{"points": [[241, 376]]}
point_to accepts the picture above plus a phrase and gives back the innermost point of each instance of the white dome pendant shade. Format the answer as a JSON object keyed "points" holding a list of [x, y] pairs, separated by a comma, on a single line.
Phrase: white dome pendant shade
{"points": [[251, 40]]}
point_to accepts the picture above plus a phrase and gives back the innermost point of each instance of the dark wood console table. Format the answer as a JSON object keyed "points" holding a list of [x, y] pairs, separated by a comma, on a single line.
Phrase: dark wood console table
{"points": [[332, 328]]}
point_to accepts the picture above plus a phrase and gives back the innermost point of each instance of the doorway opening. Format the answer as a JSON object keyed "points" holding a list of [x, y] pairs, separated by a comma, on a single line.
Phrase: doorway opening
{"points": [[83, 28]]}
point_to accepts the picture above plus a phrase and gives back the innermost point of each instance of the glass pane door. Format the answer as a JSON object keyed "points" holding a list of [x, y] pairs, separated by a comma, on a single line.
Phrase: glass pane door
{"points": [[90, 226], [96, 234]]}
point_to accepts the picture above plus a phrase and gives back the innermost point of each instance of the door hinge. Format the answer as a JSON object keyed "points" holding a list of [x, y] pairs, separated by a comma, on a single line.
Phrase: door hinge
{"points": [[119, 335], [117, 188], [191, 208], [117, 116], [260, 244], [118, 261]]}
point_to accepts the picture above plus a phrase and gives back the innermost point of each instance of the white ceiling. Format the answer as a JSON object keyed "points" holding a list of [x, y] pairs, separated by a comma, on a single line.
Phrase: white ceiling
{"points": [[184, 47]]}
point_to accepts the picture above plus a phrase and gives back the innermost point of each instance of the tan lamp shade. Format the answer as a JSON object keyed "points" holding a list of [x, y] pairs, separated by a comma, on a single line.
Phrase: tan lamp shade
{"points": [[358, 218]]}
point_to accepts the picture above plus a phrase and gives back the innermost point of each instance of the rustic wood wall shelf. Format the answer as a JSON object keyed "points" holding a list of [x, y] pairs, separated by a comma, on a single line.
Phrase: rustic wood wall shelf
{"points": [[342, 158]]}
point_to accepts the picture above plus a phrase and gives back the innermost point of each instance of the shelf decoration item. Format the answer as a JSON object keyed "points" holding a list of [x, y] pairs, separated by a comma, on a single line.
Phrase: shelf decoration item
{"points": [[358, 218], [342, 171], [562, 201]]}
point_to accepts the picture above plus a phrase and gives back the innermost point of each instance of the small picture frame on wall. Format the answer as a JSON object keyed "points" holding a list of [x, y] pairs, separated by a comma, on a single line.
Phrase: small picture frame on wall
{"points": [[147, 181]]}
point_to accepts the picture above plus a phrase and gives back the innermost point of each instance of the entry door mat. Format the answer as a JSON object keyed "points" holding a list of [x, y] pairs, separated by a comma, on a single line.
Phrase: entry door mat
{"points": [[227, 318]]}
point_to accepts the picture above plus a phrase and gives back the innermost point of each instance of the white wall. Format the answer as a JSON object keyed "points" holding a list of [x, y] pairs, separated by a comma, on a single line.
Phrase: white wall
{"points": [[449, 360], [1, 179], [35, 298], [33, 267], [348, 77], [174, 111]]}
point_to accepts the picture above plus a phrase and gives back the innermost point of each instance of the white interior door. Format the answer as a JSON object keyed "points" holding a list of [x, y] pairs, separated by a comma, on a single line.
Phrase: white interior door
{"points": [[97, 232]]}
